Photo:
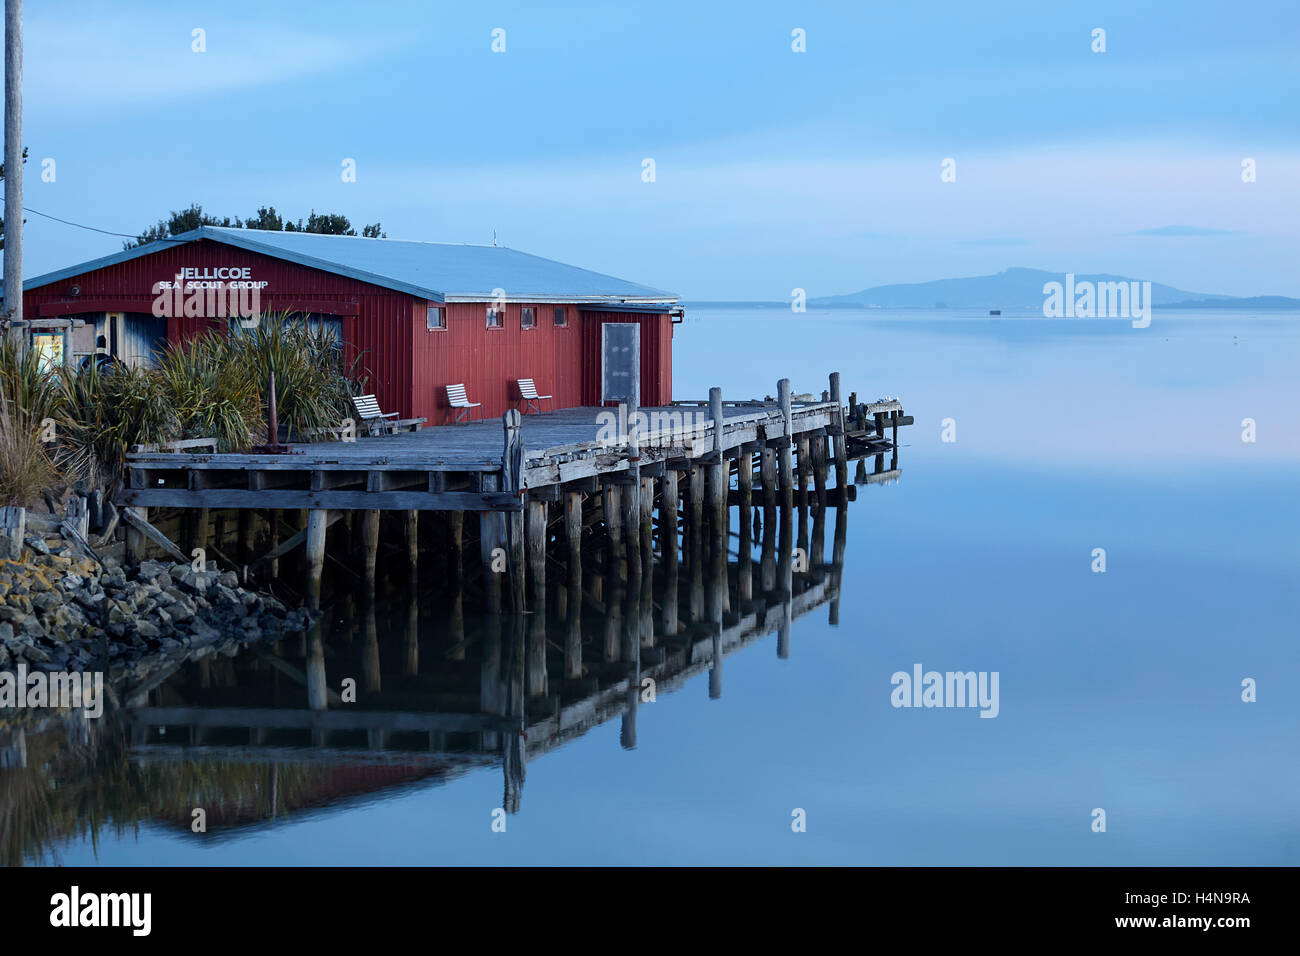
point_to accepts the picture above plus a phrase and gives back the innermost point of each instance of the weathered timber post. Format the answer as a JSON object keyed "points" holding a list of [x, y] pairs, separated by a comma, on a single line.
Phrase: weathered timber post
{"points": [[786, 446], [767, 475], [841, 442], [370, 542], [805, 469], [745, 547], [745, 480], [413, 545], [613, 507], [668, 499], [647, 523], [512, 467], [317, 522], [819, 469], [695, 499], [456, 521], [719, 471], [537, 550]]}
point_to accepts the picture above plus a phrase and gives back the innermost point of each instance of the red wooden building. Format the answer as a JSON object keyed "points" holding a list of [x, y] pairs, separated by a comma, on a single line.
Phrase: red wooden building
{"points": [[421, 315]]}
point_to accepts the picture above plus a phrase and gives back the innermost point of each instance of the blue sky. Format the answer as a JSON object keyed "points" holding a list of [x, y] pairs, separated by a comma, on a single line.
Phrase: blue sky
{"points": [[774, 169]]}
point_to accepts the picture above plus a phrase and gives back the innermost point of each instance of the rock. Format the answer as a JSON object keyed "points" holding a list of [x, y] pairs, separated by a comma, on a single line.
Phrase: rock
{"points": [[229, 579], [36, 543]]}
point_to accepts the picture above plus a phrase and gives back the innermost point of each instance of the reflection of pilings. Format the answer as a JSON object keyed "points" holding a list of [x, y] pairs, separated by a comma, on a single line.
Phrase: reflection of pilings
{"points": [[573, 640], [817, 550], [514, 758], [614, 598], [491, 677], [370, 542], [669, 547], [745, 546], [841, 441], [370, 648], [837, 561], [785, 576], [716, 605], [317, 692], [631, 657], [767, 564]]}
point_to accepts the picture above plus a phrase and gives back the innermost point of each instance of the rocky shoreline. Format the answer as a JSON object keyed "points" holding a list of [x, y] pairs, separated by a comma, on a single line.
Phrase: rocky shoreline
{"points": [[61, 611]]}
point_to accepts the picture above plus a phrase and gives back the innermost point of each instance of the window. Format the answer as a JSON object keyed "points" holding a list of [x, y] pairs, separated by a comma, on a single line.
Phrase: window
{"points": [[527, 318], [436, 319], [48, 347], [496, 318], [561, 317]]}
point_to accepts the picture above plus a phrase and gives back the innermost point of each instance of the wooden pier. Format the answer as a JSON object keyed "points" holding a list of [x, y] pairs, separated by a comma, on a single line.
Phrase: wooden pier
{"points": [[520, 477]]}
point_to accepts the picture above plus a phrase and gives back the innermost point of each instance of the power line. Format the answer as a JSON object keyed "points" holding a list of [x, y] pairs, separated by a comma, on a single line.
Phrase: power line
{"points": [[68, 222]]}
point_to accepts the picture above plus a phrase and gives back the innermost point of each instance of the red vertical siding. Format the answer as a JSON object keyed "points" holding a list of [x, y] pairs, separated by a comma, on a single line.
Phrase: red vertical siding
{"points": [[656, 355], [406, 366]]}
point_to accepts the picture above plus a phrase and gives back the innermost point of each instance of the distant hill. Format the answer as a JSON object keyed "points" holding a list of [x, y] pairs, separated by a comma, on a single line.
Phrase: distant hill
{"points": [[1021, 288]]}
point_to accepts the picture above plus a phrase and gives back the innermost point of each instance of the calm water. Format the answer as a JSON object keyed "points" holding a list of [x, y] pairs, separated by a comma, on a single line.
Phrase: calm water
{"points": [[1118, 690]]}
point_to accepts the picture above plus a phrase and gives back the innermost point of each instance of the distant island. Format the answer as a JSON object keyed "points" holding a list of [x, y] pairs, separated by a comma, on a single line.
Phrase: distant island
{"points": [[1012, 289]]}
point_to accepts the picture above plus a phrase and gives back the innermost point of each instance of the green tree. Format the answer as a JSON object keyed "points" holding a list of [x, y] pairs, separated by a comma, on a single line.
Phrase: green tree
{"points": [[266, 217]]}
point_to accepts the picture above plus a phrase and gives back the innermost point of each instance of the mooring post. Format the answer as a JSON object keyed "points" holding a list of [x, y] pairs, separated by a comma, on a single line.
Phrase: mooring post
{"points": [[317, 522], [719, 471], [841, 444]]}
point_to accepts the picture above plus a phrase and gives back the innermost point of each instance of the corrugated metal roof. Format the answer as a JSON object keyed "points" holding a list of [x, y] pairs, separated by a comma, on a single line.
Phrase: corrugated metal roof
{"points": [[432, 270]]}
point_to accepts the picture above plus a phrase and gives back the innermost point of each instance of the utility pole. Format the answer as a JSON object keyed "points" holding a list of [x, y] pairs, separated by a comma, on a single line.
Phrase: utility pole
{"points": [[13, 252]]}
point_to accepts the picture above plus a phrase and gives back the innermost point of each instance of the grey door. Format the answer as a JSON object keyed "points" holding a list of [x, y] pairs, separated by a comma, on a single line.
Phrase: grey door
{"points": [[620, 362]]}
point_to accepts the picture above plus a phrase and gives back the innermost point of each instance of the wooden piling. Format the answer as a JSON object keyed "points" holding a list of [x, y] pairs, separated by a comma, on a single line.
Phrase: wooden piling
{"points": [[668, 499], [819, 469], [785, 446], [537, 550], [317, 522], [719, 471], [370, 546], [841, 442]]}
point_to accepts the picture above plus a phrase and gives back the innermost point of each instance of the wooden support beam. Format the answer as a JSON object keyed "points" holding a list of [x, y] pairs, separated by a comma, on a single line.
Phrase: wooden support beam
{"points": [[137, 519], [719, 473]]}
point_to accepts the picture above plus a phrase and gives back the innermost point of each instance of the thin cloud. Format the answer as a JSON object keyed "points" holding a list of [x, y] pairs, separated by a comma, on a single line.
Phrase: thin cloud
{"points": [[1184, 231]]}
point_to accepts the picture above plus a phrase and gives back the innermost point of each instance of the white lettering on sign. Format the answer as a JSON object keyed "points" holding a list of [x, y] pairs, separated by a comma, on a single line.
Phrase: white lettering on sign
{"points": [[214, 277]]}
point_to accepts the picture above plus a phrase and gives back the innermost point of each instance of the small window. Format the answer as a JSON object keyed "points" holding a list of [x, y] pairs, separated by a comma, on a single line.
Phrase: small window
{"points": [[561, 317], [527, 318], [496, 318], [436, 319]]}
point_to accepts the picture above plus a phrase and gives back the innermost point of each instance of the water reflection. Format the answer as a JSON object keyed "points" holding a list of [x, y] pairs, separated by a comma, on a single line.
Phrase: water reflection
{"points": [[423, 684]]}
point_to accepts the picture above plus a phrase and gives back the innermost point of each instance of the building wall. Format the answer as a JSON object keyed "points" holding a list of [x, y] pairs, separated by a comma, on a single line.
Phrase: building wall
{"points": [[656, 355], [407, 366]]}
